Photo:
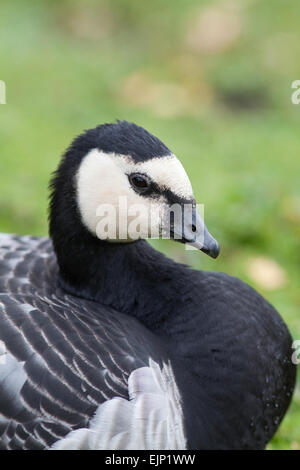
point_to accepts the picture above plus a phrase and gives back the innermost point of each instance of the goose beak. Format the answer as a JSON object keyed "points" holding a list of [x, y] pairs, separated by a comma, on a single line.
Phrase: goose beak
{"points": [[189, 228], [206, 243]]}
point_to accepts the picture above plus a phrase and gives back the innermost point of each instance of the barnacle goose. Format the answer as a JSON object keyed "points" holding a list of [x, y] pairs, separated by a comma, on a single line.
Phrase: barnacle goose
{"points": [[108, 344]]}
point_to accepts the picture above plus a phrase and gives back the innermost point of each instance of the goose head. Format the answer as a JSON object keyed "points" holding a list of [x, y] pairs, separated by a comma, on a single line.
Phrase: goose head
{"points": [[124, 184]]}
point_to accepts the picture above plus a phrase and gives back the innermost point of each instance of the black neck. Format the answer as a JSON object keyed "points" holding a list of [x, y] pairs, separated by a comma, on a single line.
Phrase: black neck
{"points": [[132, 278]]}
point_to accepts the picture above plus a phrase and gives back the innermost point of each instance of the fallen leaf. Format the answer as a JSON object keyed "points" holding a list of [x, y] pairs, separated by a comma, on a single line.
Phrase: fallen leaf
{"points": [[266, 273], [87, 22], [215, 28], [166, 99]]}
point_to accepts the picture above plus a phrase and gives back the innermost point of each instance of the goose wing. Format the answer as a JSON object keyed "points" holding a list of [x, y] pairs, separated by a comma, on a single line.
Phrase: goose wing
{"points": [[75, 374]]}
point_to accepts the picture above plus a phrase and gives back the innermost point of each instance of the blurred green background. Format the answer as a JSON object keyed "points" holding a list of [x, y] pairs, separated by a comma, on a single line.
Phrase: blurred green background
{"points": [[212, 79]]}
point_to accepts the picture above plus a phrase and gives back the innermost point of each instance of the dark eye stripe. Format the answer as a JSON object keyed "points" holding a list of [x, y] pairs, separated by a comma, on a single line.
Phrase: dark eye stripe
{"points": [[143, 185]]}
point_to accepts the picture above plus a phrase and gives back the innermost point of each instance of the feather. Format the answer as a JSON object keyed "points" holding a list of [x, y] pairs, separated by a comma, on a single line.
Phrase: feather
{"points": [[151, 419]]}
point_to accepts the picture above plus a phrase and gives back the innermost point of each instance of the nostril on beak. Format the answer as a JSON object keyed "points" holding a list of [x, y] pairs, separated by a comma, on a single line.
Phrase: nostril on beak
{"points": [[194, 228]]}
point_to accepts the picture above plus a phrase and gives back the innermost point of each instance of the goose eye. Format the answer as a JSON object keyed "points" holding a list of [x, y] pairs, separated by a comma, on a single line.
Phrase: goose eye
{"points": [[139, 182]]}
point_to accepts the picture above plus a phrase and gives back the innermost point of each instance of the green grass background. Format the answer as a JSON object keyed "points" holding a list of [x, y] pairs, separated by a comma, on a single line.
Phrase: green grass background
{"points": [[225, 111]]}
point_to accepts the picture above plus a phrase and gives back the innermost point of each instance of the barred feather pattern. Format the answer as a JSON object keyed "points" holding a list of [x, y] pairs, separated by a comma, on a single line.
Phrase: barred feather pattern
{"points": [[151, 419], [66, 361]]}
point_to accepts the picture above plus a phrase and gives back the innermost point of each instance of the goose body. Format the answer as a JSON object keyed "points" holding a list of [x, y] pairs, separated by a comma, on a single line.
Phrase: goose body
{"points": [[108, 344]]}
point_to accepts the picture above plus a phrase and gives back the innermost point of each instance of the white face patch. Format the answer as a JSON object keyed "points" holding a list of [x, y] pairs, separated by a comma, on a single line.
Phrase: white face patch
{"points": [[102, 182], [167, 172]]}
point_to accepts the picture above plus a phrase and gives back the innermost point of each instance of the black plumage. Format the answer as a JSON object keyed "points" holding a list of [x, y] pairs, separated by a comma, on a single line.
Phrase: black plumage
{"points": [[78, 315]]}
